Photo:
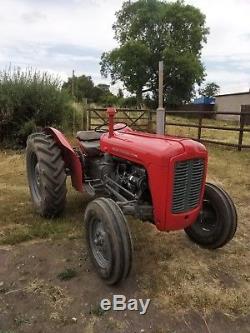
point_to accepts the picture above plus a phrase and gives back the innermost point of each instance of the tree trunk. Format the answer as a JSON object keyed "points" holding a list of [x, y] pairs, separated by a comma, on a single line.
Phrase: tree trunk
{"points": [[139, 96]]}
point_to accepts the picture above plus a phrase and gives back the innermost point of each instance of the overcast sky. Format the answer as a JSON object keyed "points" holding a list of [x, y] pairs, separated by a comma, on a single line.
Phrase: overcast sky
{"points": [[61, 35]]}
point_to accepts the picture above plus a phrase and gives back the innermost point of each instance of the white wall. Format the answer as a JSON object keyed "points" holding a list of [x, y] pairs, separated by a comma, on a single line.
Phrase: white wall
{"points": [[231, 103]]}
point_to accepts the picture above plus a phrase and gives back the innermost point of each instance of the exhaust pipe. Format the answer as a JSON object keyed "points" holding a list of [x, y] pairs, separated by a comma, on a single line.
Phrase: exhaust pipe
{"points": [[160, 113], [111, 113]]}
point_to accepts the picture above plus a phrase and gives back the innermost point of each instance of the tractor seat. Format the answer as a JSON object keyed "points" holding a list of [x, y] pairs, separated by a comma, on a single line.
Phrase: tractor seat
{"points": [[88, 135], [90, 142]]}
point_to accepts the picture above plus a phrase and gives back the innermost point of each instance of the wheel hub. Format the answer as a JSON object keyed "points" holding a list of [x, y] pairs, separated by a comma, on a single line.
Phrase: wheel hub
{"points": [[208, 217], [100, 244], [99, 239]]}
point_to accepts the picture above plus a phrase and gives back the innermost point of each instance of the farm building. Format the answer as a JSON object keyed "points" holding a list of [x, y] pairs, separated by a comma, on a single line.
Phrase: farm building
{"points": [[231, 103]]}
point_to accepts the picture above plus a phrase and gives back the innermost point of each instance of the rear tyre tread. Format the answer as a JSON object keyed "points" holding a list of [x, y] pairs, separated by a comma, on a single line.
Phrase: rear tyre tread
{"points": [[51, 200]]}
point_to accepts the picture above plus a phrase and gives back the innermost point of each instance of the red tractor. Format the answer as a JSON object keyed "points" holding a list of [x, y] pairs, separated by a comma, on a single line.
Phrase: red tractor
{"points": [[156, 178]]}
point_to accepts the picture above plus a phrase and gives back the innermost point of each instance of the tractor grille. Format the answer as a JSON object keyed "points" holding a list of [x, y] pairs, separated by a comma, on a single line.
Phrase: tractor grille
{"points": [[188, 181]]}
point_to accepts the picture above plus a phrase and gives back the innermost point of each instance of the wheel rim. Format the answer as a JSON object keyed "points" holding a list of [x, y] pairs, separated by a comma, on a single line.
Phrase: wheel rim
{"points": [[35, 177], [207, 221], [99, 244]]}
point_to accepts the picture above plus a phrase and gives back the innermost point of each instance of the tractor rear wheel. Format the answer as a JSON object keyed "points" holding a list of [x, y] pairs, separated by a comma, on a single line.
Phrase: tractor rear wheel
{"points": [[108, 239], [46, 175], [217, 222]]}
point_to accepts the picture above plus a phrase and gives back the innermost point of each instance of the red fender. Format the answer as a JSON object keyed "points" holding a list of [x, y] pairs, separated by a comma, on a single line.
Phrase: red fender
{"points": [[70, 158]]}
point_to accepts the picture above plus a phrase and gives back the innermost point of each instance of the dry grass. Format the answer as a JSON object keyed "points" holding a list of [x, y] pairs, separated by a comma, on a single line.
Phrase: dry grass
{"points": [[54, 297], [182, 276], [18, 222], [178, 275]]}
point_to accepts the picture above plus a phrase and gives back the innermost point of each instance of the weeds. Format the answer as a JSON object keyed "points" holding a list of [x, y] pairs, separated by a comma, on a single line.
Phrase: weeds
{"points": [[96, 311], [67, 274], [20, 320]]}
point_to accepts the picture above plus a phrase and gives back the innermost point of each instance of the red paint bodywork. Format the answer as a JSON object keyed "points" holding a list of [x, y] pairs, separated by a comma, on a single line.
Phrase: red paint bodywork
{"points": [[158, 154], [70, 158]]}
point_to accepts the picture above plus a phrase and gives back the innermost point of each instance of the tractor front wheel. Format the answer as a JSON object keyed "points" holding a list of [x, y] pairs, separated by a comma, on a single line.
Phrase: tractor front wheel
{"points": [[46, 175], [217, 222], [108, 240]]}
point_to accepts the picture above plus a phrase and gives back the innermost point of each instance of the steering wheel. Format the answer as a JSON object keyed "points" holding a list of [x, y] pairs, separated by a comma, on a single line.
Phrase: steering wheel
{"points": [[99, 128]]}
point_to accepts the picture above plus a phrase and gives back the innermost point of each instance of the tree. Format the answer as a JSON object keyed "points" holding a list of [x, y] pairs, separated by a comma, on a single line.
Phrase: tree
{"points": [[120, 93], [128, 64], [104, 87], [83, 87], [211, 89], [149, 31]]}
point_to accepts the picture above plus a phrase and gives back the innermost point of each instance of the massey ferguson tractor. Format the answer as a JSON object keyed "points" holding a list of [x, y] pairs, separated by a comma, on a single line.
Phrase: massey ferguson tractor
{"points": [[155, 178]]}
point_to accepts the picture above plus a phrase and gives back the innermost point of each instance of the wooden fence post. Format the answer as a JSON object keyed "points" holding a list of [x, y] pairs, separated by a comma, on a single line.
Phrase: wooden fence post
{"points": [[242, 123], [74, 118], [200, 127], [84, 113], [150, 127], [74, 108], [88, 119]]}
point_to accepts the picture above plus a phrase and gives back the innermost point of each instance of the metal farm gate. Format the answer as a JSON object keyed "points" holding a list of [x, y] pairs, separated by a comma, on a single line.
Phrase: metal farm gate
{"points": [[139, 119]]}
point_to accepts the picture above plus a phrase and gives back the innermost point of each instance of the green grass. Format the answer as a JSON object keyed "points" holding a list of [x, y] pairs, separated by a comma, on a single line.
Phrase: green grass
{"points": [[20, 320], [96, 311], [67, 274], [25, 232]]}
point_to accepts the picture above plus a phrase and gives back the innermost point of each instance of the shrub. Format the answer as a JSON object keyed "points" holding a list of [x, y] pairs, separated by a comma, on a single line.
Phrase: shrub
{"points": [[30, 99], [129, 102]]}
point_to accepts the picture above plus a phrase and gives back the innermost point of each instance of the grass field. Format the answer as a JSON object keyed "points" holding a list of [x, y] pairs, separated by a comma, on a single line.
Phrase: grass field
{"points": [[219, 135], [216, 135], [192, 289]]}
